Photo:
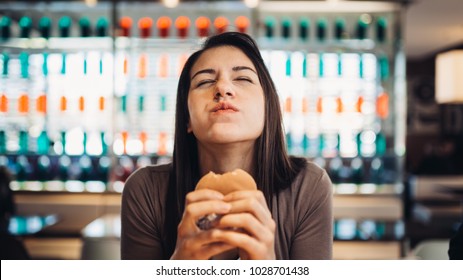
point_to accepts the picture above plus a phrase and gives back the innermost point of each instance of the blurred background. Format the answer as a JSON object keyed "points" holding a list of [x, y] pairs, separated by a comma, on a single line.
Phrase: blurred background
{"points": [[370, 90]]}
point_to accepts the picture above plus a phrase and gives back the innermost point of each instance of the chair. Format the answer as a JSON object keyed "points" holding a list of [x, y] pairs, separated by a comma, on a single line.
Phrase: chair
{"points": [[101, 249], [432, 249]]}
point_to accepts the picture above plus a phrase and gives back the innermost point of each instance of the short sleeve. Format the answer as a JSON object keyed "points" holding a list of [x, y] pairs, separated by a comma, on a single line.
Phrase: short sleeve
{"points": [[313, 237], [141, 216]]}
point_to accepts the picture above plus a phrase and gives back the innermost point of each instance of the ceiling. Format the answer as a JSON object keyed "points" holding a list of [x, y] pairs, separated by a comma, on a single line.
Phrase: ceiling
{"points": [[433, 25]]}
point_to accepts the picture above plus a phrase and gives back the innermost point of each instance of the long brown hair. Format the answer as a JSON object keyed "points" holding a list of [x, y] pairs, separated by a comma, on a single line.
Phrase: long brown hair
{"points": [[275, 169]]}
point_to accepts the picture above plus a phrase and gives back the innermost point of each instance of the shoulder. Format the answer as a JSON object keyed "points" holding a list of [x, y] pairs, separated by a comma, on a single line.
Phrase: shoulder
{"points": [[150, 171], [312, 181], [148, 179], [310, 172]]}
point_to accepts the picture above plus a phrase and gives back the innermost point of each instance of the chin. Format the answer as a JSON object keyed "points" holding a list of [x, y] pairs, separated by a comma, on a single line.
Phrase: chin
{"points": [[227, 134], [226, 138]]}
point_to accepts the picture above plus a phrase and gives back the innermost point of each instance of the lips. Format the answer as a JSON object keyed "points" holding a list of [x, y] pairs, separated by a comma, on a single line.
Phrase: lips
{"points": [[224, 107]]}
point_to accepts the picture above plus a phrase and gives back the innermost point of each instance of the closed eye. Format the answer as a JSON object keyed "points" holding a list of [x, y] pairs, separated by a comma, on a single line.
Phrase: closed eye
{"points": [[204, 82], [245, 79]]}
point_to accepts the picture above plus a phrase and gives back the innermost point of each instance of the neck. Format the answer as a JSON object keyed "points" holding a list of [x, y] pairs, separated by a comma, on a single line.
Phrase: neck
{"points": [[226, 157]]}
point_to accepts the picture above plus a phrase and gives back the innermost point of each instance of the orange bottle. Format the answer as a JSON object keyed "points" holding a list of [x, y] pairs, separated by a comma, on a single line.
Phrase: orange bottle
{"points": [[41, 104], [3, 103], [23, 103], [382, 105]]}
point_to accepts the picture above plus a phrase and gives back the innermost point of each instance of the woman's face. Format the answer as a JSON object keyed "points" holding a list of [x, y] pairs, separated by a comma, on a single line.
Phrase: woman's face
{"points": [[225, 100]]}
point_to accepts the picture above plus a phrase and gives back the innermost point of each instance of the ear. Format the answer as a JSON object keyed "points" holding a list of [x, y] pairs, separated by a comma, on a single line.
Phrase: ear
{"points": [[188, 127]]}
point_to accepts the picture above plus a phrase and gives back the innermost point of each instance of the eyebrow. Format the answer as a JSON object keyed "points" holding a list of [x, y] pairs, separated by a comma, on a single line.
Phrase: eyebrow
{"points": [[212, 71]]}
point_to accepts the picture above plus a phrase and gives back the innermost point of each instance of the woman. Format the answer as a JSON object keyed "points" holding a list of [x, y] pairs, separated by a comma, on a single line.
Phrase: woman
{"points": [[228, 116]]}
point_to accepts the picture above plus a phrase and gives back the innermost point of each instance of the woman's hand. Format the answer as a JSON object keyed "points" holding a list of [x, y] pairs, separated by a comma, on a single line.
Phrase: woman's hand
{"points": [[255, 236], [193, 243]]}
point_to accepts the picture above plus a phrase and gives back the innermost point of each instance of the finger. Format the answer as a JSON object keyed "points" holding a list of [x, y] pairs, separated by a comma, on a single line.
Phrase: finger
{"points": [[194, 250], [253, 207], [213, 249], [239, 195], [251, 203], [262, 232], [254, 248], [199, 209], [201, 195], [197, 240]]}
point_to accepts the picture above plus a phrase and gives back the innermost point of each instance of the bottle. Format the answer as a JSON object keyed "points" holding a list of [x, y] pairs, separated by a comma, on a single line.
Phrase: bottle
{"points": [[286, 28], [5, 66], [304, 29], [3, 149], [383, 62], [64, 25], [335, 168], [25, 26], [101, 27], [362, 26], [85, 27], [242, 24], [24, 60], [321, 29], [382, 105], [269, 24], [339, 29], [221, 24], [24, 171], [163, 25], [43, 143], [357, 170], [45, 24], [64, 164], [103, 169], [44, 171], [125, 24], [5, 28], [381, 29], [202, 25], [144, 25]]}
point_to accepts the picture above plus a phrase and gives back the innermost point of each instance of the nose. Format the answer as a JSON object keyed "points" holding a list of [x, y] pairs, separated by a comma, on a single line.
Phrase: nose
{"points": [[223, 89]]}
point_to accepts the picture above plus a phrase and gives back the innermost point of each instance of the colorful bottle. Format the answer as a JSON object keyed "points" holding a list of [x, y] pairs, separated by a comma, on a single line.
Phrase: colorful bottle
{"points": [[25, 26], [304, 29], [45, 25]]}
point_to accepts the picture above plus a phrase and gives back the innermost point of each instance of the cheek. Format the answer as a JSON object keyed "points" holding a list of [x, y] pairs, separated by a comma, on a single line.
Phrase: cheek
{"points": [[258, 112], [194, 115]]}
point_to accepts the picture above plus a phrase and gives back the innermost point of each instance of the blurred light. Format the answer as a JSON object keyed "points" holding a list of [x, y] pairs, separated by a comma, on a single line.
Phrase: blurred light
{"points": [[202, 24], [74, 186], [366, 18], [346, 188], [91, 3], [242, 23], [170, 3], [221, 24], [367, 188], [125, 24], [163, 24], [182, 23], [145, 24], [118, 186], [95, 186], [251, 3], [346, 229], [449, 73]]}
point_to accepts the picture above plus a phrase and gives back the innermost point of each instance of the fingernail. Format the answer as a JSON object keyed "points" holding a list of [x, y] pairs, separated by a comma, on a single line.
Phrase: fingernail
{"points": [[226, 207]]}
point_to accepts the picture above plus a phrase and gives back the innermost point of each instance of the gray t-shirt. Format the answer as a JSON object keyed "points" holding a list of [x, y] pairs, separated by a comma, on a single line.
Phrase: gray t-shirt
{"points": [[302, 212]]}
